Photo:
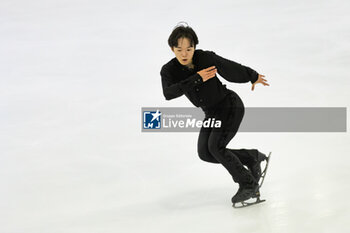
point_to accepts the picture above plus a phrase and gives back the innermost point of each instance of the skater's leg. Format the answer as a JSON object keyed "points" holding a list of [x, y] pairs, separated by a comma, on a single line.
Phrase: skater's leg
{"points": [[202, 145], [252, 159], [231, 115], [247, 156]]}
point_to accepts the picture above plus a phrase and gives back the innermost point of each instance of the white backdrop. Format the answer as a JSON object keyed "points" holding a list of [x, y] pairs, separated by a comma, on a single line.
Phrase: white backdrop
{"points": [[75, 74]]}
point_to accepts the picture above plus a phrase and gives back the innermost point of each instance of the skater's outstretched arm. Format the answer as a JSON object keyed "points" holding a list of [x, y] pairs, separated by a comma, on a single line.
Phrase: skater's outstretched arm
{"points": [[173, 89], [233, 71]]}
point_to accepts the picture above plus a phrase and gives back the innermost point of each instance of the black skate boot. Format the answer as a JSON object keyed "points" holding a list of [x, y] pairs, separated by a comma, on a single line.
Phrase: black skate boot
{"points": [[244, 193], [256, 168]]}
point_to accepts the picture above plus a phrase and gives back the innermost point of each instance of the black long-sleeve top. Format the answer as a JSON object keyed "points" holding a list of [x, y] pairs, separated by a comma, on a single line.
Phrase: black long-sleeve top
{"points": [[178, 79]]}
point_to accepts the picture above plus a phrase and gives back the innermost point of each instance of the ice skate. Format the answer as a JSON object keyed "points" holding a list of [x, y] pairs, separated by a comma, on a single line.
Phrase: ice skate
{"points": [[244, 194], [256, 168]]}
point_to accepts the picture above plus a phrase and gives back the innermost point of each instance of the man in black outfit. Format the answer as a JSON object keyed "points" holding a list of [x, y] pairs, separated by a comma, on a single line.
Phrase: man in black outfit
{"points": [[193, 73]]}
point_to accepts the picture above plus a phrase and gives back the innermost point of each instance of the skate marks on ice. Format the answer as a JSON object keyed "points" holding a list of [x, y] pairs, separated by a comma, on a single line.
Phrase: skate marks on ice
{"points": [[251, 201]]}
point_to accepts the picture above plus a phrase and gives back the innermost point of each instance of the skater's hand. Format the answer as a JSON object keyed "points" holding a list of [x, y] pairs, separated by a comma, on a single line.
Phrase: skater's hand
{"points": [[260, 80], [207, 73]]}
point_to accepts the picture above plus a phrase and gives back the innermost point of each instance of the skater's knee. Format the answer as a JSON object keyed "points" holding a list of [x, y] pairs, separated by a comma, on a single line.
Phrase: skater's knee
{"points": [[205, 155], [208, 158]]}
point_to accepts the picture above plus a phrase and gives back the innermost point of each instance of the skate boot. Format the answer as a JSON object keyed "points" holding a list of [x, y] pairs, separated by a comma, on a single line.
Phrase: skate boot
{"points": [[246, 192], [256, 168]]}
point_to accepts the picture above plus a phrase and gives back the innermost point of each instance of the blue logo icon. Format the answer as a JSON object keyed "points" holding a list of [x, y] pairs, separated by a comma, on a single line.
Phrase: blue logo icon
{"points": [[151, 119]]}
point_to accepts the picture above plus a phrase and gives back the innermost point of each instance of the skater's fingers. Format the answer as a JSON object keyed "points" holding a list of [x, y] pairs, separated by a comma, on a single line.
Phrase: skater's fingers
{"points": [[211, 72], [209, 68], [211, 76]]}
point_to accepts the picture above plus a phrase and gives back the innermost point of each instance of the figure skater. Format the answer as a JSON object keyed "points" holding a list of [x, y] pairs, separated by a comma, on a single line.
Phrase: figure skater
{"points": [[193, 73]]}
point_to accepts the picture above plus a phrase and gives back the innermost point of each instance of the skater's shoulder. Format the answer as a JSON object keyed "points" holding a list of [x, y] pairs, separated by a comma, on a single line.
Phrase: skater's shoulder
{"points": [[201, 51], [204, 53], [169, 65]]}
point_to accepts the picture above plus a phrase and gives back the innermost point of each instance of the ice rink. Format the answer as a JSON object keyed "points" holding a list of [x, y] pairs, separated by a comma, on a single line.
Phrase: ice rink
{"points": [[75, 74]]}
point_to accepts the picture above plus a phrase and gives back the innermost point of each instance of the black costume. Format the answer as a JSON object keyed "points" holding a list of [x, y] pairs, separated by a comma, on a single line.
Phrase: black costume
{"points": [[216, 101]]}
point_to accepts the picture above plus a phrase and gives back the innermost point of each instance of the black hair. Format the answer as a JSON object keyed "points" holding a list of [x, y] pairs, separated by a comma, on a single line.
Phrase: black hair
{"points": [[181, 31]]}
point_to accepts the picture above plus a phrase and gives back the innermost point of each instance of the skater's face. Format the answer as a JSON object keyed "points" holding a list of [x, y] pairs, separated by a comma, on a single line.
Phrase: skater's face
{"points": [[183, 51]]}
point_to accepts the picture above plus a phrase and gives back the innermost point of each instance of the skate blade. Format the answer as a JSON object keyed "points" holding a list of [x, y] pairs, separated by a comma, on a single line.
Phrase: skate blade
{"points": [[263, 174], [244, 204]]}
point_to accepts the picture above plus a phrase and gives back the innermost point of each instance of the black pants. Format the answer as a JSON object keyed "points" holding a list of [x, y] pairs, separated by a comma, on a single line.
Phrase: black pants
{"points": [[212, 142]]}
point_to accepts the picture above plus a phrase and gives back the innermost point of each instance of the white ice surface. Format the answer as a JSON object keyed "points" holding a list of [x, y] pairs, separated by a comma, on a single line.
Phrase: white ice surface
{"points": [[75, 74]]}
